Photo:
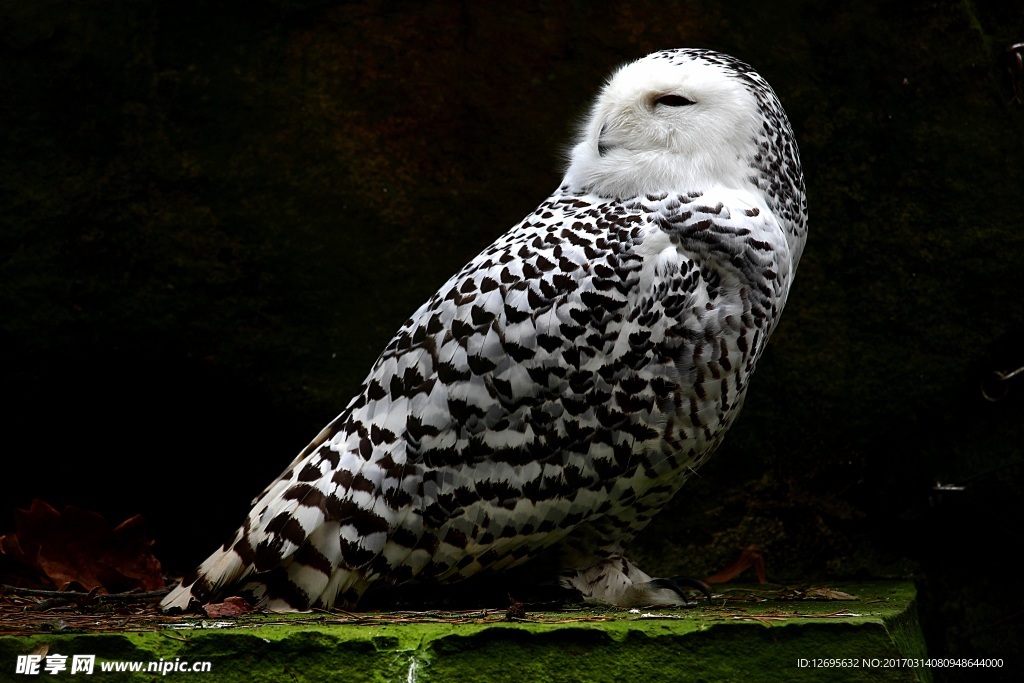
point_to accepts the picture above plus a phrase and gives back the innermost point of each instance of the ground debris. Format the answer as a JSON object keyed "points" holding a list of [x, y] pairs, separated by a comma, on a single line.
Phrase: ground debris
{"points": [[814, 593], [32, 612]]}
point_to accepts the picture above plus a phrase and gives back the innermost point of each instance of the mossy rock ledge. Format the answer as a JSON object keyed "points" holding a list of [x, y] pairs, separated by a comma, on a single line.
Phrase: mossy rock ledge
{"points": [[746, 633]]}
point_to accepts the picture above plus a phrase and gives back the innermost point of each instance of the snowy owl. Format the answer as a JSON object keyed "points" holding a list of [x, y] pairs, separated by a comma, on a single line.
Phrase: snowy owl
{"points": [[557, 391]]}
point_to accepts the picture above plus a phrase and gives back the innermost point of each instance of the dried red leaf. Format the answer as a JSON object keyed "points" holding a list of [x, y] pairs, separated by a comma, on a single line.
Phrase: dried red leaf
{"points": [[10, 546], [231, 607], [77, 546], [19, 568], [750, 556]]}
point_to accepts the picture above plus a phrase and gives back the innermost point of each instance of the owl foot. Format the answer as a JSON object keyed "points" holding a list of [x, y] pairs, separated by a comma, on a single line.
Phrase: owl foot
{"points": [[617, 581], [679, 583]]}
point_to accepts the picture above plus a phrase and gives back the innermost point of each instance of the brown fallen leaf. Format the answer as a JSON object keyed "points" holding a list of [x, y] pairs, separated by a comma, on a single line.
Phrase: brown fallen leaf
{"points": [[827, 594], [77, 548], [231, 607], [750, 556]]}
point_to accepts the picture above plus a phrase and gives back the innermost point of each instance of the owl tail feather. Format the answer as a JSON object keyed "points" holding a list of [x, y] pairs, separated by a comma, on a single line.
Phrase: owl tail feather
{"points": [[223, 568]]}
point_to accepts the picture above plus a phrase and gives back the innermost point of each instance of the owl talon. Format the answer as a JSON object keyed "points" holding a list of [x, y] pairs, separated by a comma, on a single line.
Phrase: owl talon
{"points": [[617, 581], [679, 584]]}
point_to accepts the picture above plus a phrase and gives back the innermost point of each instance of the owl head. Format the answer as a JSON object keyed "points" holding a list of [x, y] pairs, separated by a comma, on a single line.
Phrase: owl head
{"points": [[685, 120]]}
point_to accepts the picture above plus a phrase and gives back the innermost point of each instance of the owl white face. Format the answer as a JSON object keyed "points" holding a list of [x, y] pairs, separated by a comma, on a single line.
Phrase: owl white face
{"points": [[667, 125]]}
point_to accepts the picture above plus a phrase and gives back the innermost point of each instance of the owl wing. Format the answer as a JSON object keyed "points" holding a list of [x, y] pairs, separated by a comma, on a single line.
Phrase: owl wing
{"points": [[528, 396]]}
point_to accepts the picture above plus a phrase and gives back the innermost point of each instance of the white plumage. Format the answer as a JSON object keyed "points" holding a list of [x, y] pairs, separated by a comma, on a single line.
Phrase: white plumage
{"points": [[557, 391]]}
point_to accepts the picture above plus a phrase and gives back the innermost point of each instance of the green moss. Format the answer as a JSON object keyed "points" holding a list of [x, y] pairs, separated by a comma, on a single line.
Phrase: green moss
{"points": [[744, 636]]}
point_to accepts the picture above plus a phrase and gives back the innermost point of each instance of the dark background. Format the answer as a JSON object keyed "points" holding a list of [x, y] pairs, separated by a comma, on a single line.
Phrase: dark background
{"points": [[213, 216]]}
